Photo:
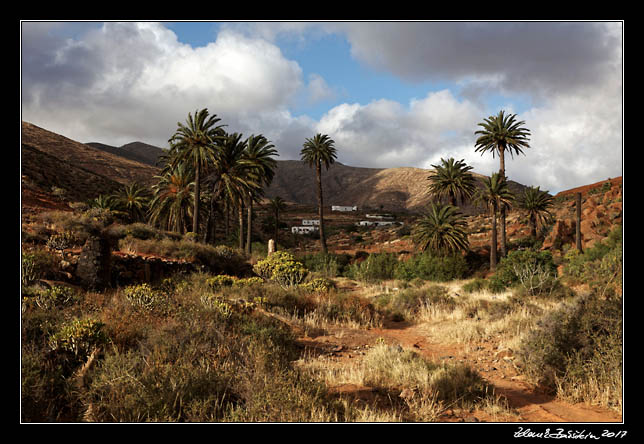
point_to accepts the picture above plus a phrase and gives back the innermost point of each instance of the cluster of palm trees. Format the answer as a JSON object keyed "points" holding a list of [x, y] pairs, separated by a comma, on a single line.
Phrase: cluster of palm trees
{"points": [[232, 170], [443, 228], [205, 173]]}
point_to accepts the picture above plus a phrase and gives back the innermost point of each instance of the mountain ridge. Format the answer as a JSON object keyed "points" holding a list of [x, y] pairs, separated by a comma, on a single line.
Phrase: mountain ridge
{"points": [[387, 189]]}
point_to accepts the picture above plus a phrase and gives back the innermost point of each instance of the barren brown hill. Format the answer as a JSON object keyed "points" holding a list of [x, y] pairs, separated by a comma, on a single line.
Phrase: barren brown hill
{"points": [[389, 189], [116, 168], [136, 151]]}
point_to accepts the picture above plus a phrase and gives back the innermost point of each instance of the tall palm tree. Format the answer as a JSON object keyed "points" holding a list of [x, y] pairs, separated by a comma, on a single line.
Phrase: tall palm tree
{"points": [[495, 195], [536, 204], [195, 142], [133, 200], [452, 179], [278, 205], [317, 151], [502, 133], [229, 176], [172, 203], [441, 230], [259, 153]]}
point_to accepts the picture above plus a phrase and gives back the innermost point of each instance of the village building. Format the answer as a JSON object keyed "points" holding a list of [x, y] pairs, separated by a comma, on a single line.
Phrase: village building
{"points": [[304, 230], [379, 216], [377, 223], [343, 208]]}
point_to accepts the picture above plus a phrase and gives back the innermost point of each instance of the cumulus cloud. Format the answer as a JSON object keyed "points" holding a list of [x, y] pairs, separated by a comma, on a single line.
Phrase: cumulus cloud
{"points": [[138, 80], [385, 133], [539, 58]]}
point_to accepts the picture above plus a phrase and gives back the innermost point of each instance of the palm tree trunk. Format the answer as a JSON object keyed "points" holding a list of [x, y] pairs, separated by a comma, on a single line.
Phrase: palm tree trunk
{"points": [[250, 224], [227, 227], [277, 226], [493, 242], [578, 222], [211, 223], [502, 174], [318, 172], [195, 216], [241, 224]]}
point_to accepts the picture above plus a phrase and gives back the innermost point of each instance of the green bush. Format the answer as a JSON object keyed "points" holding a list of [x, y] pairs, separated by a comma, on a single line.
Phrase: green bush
{"points": [[78, 338], [36, 264], [522, 264], [599, 266], [432, 268], [318, 285], [565, 341], [281, 267], [144, 297], [221, 280], [328, 265], [56, 296], [61, 241], [475, 286], [376, 267]]}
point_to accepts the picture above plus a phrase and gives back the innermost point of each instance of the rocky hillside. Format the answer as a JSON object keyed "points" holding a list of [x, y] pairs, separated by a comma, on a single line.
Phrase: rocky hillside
{"points": [[83, 172], [136, 151], [389, 189]]}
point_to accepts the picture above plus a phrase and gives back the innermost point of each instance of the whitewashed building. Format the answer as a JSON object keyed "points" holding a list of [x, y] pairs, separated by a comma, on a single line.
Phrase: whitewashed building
{"points": [[343, 208], [304, 230], [376, 223]]}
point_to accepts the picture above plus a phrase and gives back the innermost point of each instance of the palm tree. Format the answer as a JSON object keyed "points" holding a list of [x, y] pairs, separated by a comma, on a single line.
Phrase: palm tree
{"points": [[229, 176], [172, 203], [502, 133], [194, 142], [133, 200], [278, 205], [441, 230], [317, 151], [259, 153], [536, 204], [452, 179], [495, 195], [103, 201]]}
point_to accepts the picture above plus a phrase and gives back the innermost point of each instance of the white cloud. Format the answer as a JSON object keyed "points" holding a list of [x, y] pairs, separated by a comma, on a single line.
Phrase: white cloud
{"points": [[136, 80], [385, 133], [319, 90]]}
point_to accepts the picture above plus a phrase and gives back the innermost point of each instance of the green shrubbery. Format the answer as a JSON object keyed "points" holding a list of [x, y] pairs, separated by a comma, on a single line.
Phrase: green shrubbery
{"points": [[406, 302], [79, 338], [432, 268], [519, 265], [376, 267], [599, 266], [282, 268], [577, 350], [146, 298]]}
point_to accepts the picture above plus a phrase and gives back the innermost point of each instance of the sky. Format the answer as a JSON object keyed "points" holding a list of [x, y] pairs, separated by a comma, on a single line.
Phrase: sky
{"points": [[390, 94]]}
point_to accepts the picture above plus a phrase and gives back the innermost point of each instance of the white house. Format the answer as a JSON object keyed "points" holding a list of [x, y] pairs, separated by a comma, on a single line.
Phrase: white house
{"points": [[343, 208], [378, 223], [311, 222], [303, 230], [379, 216]]}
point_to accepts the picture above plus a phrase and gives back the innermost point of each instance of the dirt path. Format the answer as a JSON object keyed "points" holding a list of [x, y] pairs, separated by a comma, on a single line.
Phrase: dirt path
{"points": [[528, 403]]}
